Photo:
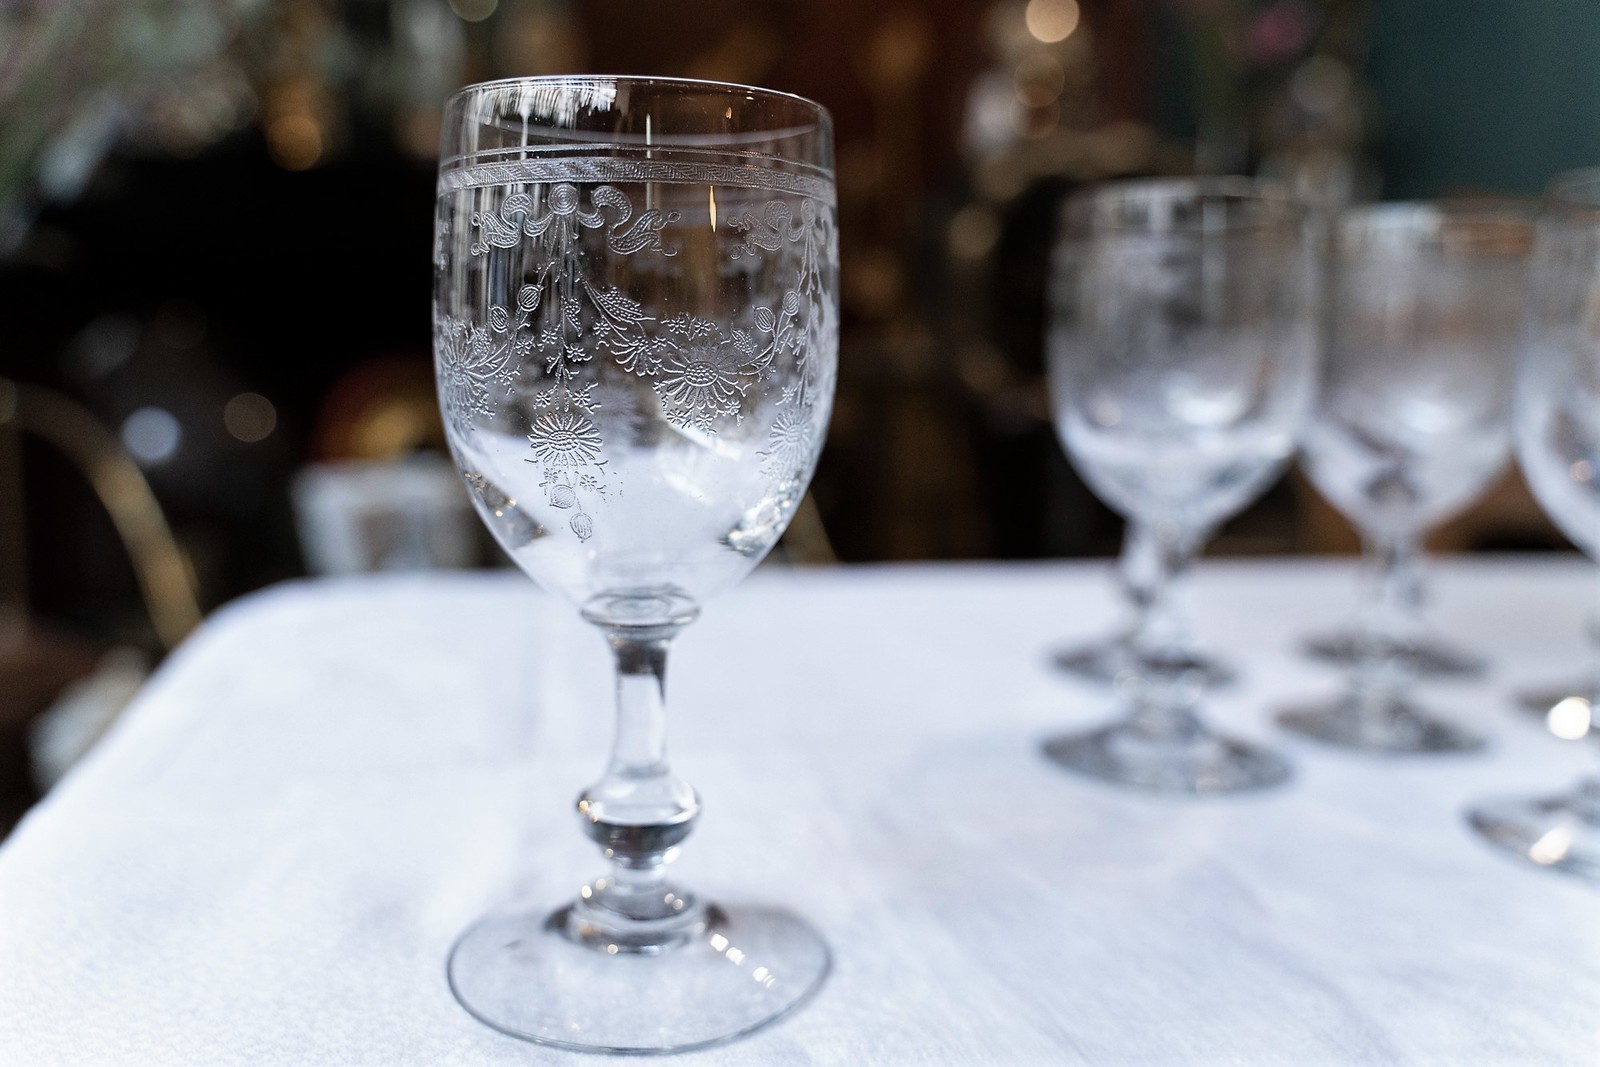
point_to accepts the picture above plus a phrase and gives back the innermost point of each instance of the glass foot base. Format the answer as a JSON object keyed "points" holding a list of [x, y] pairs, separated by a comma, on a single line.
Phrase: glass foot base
{"points": [[1428, 657], [1104, 661], [1204, 764], [1549, 832], [519, 972], [1402, 730]]}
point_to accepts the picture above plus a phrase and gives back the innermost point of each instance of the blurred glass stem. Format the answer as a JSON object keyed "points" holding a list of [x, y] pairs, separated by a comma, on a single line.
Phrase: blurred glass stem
{"points": [[1167, 686], [1388, 626]]}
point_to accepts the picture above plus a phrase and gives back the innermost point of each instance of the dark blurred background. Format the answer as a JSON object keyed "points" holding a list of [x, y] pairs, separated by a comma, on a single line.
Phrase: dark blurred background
{"points": [[215, 223]]}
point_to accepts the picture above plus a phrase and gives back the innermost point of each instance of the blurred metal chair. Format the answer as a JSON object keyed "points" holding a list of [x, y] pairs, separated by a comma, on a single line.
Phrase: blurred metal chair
{"points": [[166, 579]]}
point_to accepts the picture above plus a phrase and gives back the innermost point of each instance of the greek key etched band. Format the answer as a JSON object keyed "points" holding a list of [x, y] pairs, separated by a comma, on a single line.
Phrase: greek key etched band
{"points": [[611, 169]]}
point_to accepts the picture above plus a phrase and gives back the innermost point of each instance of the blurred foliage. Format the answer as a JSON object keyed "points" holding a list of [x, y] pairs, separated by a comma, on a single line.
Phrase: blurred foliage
{"points": [[75, 74]]}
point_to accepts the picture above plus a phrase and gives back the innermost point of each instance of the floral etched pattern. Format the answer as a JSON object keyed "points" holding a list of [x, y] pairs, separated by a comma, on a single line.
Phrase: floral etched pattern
{"points": [[566, 325], [564, 439], [562, 218], [702, 377], [474, 371], [768, 233], [789, 444]]}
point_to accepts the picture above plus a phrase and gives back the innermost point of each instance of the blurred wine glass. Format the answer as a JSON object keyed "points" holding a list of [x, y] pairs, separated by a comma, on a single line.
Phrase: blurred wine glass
{"points": [[1182, 362], [1557, 431], [1411, 422]]}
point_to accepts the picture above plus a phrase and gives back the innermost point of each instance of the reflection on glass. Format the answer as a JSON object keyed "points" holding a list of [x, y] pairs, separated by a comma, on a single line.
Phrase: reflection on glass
{"points": [[1552, 848], [1570, 718]]}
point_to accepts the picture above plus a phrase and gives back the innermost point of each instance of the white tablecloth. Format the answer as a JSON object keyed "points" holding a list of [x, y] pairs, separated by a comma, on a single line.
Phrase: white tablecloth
{"points": [[268, 859]]}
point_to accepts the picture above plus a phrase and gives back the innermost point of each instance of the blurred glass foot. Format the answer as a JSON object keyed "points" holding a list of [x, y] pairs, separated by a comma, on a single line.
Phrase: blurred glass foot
{"points": [[1398, 727], [1203, 763], [1425, 656], [1561, 833]]}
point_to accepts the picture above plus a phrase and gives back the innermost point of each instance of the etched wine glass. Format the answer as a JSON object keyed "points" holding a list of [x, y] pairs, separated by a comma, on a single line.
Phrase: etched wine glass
{"points": [[1557, 433], [635, 338], [1182, 359], [1412, 421], [1137, 573]]}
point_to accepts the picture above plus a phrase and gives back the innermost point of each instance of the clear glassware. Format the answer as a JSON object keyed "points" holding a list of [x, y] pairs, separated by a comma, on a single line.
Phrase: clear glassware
{"points": [[1182, 362], [1112, 657], [1412, 421], [1557, 433], [636, 343]]}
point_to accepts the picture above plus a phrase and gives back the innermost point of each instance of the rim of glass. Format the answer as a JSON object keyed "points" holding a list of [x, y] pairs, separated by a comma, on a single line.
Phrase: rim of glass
{"points": [[1486, 225], [641, 79], [1269, 204]]}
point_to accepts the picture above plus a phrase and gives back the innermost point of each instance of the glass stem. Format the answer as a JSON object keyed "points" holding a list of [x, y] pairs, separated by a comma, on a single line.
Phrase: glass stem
{"points": [[1138, 571], [638, 812], [1167, 687], [1389, 624]]}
